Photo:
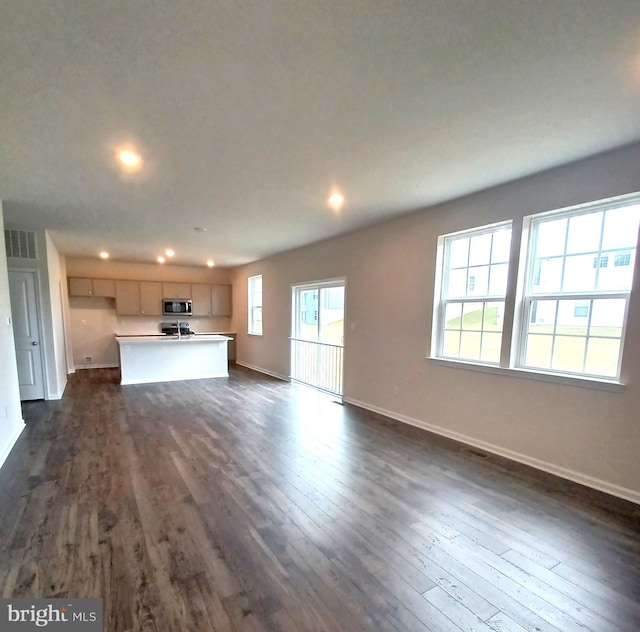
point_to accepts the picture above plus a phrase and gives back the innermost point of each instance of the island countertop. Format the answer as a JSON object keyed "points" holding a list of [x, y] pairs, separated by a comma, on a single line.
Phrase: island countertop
{"points": [[167, 358], [161, 338]]}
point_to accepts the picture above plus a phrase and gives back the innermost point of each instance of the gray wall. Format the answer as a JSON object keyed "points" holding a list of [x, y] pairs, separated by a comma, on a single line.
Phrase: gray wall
{"points": [[583, 434]]}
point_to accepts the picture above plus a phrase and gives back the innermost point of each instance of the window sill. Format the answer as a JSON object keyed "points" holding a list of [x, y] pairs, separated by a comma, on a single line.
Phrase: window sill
{"points": [[252, 334], [611, 386]]}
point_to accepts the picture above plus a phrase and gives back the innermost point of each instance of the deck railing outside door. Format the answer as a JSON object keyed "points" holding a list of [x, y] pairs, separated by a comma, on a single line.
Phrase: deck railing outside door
{"points": [[317, 364], [317, 336]]}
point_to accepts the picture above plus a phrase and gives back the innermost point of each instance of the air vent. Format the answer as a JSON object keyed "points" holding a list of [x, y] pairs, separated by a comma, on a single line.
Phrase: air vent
{"points": [[21, 244]]}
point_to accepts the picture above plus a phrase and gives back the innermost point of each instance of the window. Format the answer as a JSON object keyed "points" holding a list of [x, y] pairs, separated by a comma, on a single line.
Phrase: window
{"points": [[472, 294], [574, 269], [575, 308], [623, 259], [255, 305], [581, 309]]}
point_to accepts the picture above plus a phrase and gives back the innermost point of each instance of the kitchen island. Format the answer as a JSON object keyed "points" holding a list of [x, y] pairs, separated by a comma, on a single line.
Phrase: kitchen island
{"points": [[146, 359]]}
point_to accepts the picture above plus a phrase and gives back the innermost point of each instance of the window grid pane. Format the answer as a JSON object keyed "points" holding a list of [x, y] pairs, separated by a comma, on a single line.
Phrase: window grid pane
{"points": [[473, 330], [584, 262], [559, 339], [476, 265]]}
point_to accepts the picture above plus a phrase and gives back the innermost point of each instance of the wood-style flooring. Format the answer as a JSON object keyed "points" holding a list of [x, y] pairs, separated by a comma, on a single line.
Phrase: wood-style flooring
{"points": [[252, 504]]}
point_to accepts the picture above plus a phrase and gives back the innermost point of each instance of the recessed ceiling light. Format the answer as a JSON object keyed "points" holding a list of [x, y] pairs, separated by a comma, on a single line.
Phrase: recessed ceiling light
{"points": [[169, 252], [129, 159], [160, 259], [211, 263], [336, 201], [104, 255]]}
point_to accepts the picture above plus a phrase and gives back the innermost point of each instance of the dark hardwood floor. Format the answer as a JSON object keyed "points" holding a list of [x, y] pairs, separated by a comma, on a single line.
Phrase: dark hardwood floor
{"points": [[252, 504]]}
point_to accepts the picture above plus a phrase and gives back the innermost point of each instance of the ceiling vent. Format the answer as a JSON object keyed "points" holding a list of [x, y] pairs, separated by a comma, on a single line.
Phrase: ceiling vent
{"points": [[21, 244]]}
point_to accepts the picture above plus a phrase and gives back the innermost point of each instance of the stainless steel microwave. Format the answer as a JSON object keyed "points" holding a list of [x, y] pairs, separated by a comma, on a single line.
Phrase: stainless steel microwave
{"points": [[177, 307]]}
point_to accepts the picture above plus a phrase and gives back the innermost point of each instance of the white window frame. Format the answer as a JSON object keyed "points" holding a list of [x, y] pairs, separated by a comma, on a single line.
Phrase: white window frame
{"points": [[514, 325], [441, 300], [526, 297], [254, 325]]}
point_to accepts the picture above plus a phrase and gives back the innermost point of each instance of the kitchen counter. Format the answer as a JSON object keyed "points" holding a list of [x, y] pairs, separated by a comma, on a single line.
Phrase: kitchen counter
{"points": [[203, 333], [162, 358], [160, 338]]}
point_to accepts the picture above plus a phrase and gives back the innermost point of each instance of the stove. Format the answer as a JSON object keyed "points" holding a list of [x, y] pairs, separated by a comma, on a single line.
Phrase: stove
{"points": [[171, 329]]}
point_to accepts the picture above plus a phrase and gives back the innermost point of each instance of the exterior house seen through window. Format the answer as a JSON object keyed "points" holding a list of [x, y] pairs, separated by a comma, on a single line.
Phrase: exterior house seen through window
{"points": [[575, 269]]}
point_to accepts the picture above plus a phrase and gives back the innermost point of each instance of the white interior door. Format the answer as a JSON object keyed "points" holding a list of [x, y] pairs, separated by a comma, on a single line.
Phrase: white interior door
{"points": [[24, 312]]}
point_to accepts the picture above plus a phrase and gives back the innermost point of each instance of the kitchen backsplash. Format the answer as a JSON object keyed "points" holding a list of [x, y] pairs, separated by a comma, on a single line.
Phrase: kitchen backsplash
{"points": [[142, 326]]}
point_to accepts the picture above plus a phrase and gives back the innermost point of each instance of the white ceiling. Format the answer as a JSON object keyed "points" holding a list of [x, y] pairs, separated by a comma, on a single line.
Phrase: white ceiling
{"points": [[249, 112]]}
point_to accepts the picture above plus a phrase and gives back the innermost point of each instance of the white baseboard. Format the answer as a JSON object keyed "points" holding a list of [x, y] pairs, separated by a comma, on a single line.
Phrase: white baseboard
{"points": [[5, 453], [97, 366], [571, 475], [257, 368]]}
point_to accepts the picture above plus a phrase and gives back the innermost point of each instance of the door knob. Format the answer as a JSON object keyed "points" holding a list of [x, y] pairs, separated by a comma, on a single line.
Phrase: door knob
{"points": [[35, 343]]}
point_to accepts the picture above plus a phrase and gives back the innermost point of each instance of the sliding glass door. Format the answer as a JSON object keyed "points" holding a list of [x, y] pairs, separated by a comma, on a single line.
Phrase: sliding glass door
{"points": [[317, 339]]}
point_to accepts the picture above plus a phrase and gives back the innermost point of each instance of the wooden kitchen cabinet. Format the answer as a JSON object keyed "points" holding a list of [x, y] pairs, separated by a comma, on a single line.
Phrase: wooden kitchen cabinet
{"points": [[92, 287], [177, 290], [201, 297], [151, 298], [80, 287], [144, 298], [104, 287], [221, 300], [128, 298]]}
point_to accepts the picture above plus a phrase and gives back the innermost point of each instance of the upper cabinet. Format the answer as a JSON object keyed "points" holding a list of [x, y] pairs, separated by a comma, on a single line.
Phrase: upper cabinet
{"points": [[176, 290], [128, 298], [201, 297], [151, 298], [211, 300], [80, 287], [104, 287], [221, 300], [144, 298], [92, 287]]}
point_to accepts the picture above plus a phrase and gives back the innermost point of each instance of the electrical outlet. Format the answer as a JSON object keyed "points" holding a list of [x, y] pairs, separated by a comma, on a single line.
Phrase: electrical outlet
{"points": [[88, 359]]}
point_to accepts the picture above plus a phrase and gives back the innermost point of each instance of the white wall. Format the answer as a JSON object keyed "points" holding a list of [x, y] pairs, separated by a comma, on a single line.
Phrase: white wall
{"points": [[587, 435], [58, 294], [11, 423], [93, 322]]}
